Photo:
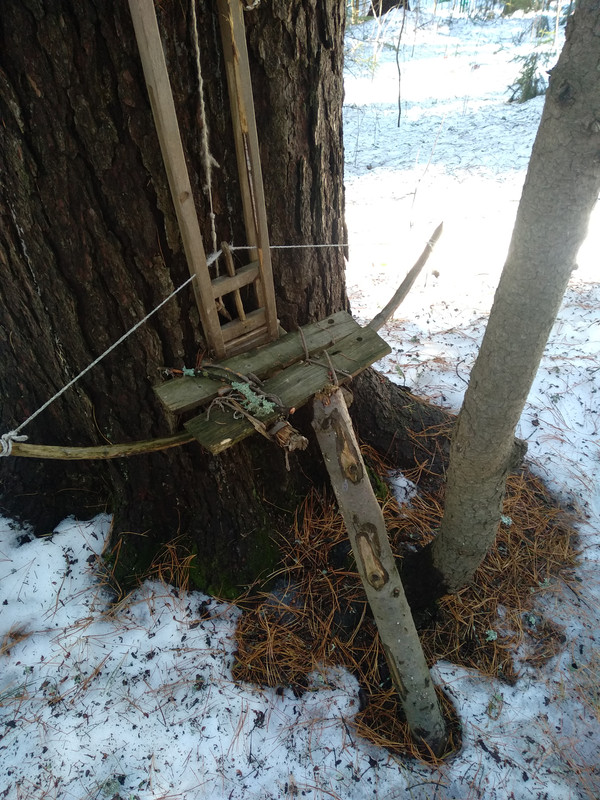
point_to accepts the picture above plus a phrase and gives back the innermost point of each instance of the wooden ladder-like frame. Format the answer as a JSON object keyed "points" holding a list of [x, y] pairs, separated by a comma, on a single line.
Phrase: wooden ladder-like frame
{"points": [[259, 325]]}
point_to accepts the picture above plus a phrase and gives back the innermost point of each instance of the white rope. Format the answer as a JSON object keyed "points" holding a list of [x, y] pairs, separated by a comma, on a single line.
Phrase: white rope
{"points": [[207, 158], [7, 439], [289, 246], [303, 246]]}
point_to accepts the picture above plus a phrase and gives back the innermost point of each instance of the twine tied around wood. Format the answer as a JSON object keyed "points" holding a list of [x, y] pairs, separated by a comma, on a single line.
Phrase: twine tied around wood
{"points": [[7, 439]]}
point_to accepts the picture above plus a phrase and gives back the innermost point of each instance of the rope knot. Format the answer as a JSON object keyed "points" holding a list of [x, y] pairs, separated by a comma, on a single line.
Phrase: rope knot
{"points": [[7, 439]]}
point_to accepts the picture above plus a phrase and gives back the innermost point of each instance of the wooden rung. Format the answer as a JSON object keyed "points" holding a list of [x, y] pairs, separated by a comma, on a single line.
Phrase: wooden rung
{"points": [[236, 328], [244, 343], [226, 283], [239, 303], [237, 67]]}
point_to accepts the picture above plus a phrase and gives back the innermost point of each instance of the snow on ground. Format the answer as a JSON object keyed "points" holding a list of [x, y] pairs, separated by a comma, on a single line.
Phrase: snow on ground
{"points": [[137, 702]]}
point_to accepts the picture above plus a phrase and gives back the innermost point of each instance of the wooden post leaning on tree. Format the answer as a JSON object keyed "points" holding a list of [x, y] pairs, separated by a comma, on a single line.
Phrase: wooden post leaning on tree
{"points": [[376, 566]]}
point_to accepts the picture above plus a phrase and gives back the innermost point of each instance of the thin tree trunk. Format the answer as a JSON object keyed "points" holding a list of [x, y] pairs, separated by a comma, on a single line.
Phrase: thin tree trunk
{"points": [[560, 191]]}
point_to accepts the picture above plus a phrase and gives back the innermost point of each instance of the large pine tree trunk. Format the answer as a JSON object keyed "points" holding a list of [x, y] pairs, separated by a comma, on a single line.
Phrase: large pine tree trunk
{"points": [[89, 244]]}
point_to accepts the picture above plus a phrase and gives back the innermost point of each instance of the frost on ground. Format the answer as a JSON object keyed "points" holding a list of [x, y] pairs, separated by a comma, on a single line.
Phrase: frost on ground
{"points": [[136, 701]]}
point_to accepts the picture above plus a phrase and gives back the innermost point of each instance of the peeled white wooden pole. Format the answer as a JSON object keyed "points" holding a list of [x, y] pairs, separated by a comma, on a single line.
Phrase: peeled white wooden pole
{"points": [[377, 569]]}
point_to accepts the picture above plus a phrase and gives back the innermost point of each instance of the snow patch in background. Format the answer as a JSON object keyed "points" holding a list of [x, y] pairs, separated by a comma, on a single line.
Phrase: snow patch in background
{"points": [[403, 489]]}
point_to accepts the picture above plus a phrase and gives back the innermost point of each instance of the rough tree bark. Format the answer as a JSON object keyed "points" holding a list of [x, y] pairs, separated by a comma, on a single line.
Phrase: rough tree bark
{"points": [[561, 188], [89, 244]]}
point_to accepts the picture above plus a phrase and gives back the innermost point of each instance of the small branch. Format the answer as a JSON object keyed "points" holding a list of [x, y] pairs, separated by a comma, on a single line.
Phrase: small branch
{"points": [[380, 319], [398, 64], [104, 451]]}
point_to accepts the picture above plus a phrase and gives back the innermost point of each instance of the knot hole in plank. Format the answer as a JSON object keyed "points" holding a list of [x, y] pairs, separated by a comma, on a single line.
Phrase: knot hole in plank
{"points": [[348, 457], [368, 554]]}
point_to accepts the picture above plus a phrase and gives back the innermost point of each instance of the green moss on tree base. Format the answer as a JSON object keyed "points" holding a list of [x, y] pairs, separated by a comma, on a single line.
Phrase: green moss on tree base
{"points": [[132, 559]]}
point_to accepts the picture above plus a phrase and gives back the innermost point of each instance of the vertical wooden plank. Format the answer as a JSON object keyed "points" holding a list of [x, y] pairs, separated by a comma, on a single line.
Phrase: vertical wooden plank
{"points": [[152, 56], [233, 33], [377, 569], [231, 272]]}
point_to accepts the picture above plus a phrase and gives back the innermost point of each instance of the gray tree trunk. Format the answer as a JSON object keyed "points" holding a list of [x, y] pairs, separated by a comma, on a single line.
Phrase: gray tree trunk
{"points": [[561, 188]]}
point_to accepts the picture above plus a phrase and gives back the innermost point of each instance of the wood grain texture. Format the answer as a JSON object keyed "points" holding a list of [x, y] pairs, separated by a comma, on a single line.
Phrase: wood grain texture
{"points": [[184, 394], [377, 568], [167, 127], [237, 66], [294, 386]]}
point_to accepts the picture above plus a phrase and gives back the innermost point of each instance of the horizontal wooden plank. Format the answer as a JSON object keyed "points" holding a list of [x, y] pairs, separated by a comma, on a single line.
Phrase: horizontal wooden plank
{"points": [[294, 386], [156, 74], [229, 283], [252, 339], [184, 394], [239, 327]]}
